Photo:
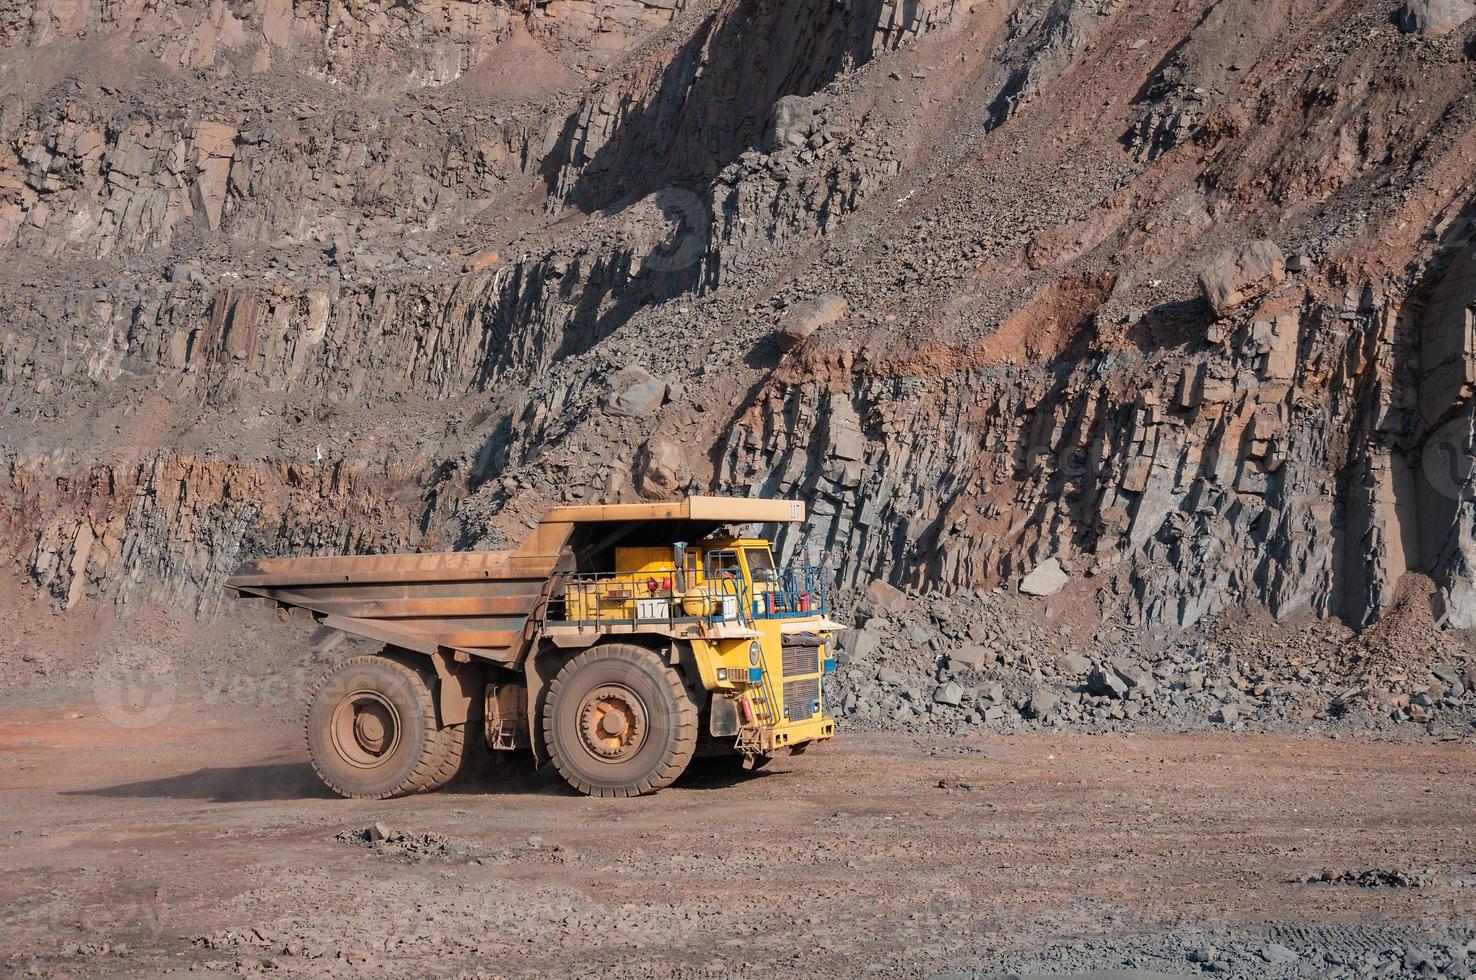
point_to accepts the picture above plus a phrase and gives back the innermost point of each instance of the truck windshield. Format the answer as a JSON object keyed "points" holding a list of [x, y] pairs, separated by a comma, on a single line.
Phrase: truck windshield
{"points": [[760, 563], [722, 564]]}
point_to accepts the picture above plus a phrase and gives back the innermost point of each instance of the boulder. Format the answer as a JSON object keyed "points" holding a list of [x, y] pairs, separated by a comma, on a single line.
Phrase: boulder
{"points": [[659, 469], [972, 656], [1047, 579], [791, 122], [482, 260], [1433, 18], [803, 319], [1226, 715], [1138, 679], [885, 599], [1241, 274], [1073, 664], [860, 644], [1042, 704], [1448, 674], [635, 392], [949, 694], [1105, 681], [915, 634]]}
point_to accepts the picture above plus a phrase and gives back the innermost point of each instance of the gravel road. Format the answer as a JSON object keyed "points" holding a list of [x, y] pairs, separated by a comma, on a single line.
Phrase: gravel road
{"points": [[204, 843]]}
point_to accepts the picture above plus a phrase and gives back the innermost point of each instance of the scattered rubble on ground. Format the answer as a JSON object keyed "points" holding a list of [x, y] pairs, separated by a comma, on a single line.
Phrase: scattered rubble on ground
{"points": [[1374, 878], [383, 839]]}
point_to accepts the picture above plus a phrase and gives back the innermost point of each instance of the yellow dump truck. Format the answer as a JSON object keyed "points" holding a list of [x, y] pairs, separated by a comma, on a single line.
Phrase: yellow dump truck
{"points": [[617, 642]]}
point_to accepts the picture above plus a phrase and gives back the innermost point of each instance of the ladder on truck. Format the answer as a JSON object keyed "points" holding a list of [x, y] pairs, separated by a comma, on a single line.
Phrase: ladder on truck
{"points": [[766, 714]]}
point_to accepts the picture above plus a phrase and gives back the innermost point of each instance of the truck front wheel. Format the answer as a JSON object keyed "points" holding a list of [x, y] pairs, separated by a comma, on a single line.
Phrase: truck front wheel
{"points": [[619, 722], [372, 732]]}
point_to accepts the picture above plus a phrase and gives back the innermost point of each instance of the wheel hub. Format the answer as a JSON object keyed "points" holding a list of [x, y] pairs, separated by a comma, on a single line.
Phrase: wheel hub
{"points": [[369, 729], [612, 723], [365, 728]]}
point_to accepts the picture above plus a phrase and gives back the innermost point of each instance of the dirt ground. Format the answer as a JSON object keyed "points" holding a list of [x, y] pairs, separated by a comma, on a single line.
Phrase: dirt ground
{"points": [[203, 843]]}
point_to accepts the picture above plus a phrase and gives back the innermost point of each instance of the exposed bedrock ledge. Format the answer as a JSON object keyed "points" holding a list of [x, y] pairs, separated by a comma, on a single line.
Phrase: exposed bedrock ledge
{"points": [[170, 527], [375, 45], [1278, 465]]}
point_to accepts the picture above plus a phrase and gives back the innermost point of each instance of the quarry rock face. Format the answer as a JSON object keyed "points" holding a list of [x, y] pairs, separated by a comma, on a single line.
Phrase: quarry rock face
{"points": [[986, 288]]}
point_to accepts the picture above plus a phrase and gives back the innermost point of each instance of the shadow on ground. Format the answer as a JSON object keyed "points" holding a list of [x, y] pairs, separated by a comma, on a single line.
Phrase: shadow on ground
{"points": [[226, 784]]}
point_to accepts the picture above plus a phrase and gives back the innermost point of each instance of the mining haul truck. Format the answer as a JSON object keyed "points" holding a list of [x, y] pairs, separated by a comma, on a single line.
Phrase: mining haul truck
{"points": [[617, 642]]}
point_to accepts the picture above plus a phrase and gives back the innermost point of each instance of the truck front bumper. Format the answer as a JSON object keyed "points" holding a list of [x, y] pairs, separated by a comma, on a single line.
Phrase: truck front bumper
{"points": [[791, 734]]}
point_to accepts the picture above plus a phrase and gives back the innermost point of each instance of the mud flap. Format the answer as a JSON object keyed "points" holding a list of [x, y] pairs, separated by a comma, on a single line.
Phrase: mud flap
{"points": [[459, 688], [539, 671], [722, 718]]}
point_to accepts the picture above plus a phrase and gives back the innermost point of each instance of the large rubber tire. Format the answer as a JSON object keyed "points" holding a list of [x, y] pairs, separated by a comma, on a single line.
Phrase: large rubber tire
{"points": [[454, 742], [634, 686], [372, 732]]}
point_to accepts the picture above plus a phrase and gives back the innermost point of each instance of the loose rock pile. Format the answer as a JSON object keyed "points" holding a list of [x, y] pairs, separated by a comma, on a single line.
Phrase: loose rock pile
{"points": [[954, 663], [1328, 951]]}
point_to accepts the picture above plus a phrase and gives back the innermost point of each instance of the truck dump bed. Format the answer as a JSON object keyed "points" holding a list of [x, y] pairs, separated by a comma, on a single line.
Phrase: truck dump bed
{"points": [[483, 604], [478, 603]]}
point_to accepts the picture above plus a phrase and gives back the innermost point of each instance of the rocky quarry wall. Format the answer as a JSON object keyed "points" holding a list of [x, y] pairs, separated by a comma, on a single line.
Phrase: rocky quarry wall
{"points": [[1175, 299]]}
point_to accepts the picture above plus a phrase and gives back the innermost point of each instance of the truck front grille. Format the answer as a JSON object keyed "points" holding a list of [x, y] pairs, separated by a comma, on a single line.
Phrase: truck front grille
{"points": [[801, 660], [801, 699]]}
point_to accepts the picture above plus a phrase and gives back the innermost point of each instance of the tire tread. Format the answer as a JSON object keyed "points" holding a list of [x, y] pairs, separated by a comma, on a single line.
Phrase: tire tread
{"points": [[677, 755], [444, 747]]}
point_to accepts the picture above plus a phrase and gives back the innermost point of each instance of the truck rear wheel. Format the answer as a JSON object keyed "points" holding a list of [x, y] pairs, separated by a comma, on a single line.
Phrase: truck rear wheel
{"points": [[618, 722], [372, 732]]}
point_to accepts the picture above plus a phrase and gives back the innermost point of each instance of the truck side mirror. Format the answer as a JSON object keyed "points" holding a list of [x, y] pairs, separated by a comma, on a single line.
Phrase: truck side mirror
{"points": [[679, 559]]}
